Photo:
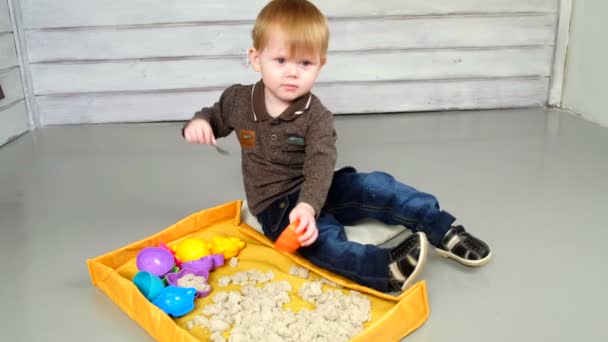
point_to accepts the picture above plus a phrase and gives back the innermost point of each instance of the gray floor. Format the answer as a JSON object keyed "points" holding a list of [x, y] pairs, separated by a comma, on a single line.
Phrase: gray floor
{"points": [[533, 183]]}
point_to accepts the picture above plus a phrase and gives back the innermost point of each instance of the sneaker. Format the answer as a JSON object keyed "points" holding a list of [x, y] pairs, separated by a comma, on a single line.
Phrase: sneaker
{"points": [[460, 245], [407, 260]]}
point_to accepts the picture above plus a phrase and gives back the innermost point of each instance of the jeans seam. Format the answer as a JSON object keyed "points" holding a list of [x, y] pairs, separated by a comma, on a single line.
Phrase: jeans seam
{"points": [[351, 275], [401, 219]]}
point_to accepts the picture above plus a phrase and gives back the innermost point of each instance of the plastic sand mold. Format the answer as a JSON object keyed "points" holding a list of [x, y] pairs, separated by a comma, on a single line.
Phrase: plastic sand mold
{"points": [[392, 318]]}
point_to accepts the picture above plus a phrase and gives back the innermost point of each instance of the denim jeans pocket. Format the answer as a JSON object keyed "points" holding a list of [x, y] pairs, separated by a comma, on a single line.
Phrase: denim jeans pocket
{"points": [[273, 217]]}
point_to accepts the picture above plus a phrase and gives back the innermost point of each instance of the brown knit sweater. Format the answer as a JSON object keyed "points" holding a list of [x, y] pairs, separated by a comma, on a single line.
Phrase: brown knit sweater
{"points": [[294, 151]]}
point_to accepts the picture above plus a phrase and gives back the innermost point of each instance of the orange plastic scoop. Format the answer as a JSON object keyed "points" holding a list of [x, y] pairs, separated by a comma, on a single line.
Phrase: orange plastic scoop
{"points": [[288, 240]]}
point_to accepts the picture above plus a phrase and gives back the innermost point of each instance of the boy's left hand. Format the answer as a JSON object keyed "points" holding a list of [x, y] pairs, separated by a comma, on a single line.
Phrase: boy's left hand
{"points": [[306, 213]]}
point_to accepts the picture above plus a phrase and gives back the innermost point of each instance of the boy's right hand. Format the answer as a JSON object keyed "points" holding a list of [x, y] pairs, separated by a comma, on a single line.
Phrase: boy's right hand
{"points": [[198, 131]]}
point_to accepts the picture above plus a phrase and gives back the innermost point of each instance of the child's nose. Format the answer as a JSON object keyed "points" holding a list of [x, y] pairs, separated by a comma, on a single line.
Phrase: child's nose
{"points": [[293, 70]]}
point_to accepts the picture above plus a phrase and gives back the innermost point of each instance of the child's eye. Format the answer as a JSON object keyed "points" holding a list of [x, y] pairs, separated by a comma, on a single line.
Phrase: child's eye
{"points": [[280, 60], [306, 63]]}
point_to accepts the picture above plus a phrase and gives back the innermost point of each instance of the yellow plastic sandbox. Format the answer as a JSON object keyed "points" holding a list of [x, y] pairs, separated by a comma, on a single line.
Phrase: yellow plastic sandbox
{"points": [[392, 317]]}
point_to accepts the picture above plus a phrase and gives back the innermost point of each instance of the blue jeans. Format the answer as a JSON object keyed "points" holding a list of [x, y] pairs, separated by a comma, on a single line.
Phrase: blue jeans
{"points": [[354, 196]]}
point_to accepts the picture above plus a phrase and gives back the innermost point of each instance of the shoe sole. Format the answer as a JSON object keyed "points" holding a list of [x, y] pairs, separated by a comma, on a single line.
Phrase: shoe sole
{"points": [[420, 265], [470, 263]]}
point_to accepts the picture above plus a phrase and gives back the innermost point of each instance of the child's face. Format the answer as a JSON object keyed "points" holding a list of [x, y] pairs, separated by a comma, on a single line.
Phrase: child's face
{"points": [[285, 77]]}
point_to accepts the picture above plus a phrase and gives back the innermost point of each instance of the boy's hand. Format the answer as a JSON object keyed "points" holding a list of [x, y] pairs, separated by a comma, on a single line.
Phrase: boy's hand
{"points": [[198, 131], [308, 224]]}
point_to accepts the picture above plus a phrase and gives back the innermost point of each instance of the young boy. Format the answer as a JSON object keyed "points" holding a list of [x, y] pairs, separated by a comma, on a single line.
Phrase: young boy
{"points": [[288, 148]]}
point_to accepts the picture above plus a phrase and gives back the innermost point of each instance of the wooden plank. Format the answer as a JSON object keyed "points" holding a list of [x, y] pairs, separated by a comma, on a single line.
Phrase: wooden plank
{"points": [[13, 122], [342, 67], [79, 13], [5, 18], [561, 49], [437, 95], [347, 35], [11, 85], [341, 98], [8, 54], [22, 55]]}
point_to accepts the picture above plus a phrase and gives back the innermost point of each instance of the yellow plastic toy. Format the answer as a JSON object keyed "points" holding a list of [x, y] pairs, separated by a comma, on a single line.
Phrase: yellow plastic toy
{"points": [[227, 246], [191, 249]]}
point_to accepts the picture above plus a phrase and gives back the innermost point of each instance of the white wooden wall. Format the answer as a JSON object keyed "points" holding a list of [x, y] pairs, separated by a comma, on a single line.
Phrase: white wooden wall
{"points": [[154, 60], [13, 113]]}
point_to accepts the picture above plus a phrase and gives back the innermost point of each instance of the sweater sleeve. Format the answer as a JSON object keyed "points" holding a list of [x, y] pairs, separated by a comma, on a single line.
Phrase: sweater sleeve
{"points": [[218, 116], [320, 161]]}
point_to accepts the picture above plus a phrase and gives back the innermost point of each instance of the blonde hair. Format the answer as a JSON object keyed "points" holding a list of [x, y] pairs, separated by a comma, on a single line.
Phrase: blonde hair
{"points": [[303, 25]]}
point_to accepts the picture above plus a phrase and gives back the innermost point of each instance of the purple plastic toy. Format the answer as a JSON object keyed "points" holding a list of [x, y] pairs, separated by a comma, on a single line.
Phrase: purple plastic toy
{"points": [[172, 279], [208, 263], [155, 260]]}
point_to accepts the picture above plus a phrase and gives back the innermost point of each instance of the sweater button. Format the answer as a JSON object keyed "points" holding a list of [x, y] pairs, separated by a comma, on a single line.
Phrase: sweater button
{"points": [[273, 137], [282, 205]]}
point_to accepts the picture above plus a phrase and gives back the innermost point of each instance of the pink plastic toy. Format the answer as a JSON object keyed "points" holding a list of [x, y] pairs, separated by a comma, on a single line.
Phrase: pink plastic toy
{"points": [[175, 259]]}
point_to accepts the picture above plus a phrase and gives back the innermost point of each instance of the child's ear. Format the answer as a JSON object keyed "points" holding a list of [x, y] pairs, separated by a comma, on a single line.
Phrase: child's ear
{"points": [[254, 58]]}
